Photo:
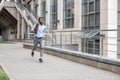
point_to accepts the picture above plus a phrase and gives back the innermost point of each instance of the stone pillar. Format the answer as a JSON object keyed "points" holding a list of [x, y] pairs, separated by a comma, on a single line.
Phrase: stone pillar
{"points": [[48, 13], [28, 31], [60, 14], [18, 25], [39, 8], [77, 14], [78, 20], [108, 20], [22, 28]]}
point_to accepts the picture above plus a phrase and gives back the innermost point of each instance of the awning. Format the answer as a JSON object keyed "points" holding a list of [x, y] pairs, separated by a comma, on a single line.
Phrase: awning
{"points": [[90, 34]]}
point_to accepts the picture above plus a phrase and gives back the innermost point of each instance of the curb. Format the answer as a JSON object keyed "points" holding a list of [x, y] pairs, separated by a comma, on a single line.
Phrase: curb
{"points": [[6, 71]]}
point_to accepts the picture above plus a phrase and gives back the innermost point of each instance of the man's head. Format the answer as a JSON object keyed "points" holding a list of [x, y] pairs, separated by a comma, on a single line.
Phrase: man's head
{"points": [[40, 20]]}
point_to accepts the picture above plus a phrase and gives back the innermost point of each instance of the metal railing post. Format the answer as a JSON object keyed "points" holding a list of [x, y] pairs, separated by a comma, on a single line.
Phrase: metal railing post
{"points": [[60, 40], [71, 38], [84, 42], [101, 39], [52, 38]]}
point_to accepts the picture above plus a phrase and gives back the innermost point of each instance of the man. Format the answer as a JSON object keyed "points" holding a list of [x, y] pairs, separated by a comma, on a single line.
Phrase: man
{"points": [[39, 30]]}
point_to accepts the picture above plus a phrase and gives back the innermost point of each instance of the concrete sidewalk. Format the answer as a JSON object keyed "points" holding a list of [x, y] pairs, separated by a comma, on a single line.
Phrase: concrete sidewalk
{"points": [[21, 66]]}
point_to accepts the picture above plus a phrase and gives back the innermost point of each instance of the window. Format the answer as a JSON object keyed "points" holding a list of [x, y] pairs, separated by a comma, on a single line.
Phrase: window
{"points": [[97, 19], [90, 46], [91, 21], [85, 9], [118, 20], [43, 11], [97, 6], [118, 31], [91, 7], [85, 21], [54, 14], [118, 5], [91, 14], [68, 13]]}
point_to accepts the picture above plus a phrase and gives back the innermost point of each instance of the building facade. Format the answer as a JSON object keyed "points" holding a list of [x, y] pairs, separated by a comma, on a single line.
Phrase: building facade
{"points": [[98, 15], [97, 20]]}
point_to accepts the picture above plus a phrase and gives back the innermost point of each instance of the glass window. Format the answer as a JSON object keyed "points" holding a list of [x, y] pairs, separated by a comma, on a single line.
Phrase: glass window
{"points": [[85, 21], [118, 31], [68, 13], [118, 18], [118, 5], [91, 20], [97, 5], [54, 14], [91, 7], [85, 8], [43, 11], [97, 19]]}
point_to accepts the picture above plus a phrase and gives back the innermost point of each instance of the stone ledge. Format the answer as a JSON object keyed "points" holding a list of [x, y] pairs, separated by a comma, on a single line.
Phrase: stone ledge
{"points": [[88, 59], [87, 56]]}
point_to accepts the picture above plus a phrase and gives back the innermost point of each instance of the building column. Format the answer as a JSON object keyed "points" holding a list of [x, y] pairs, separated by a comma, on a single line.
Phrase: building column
{"points": [[28, 31], [48, 13], [60, 14], [18, 25], [108, 21], [22, 28], [77, 14], [78, 19]]}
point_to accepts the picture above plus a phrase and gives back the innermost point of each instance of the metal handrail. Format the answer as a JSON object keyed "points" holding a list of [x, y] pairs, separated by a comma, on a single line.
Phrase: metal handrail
{"points": [[85, 30]]}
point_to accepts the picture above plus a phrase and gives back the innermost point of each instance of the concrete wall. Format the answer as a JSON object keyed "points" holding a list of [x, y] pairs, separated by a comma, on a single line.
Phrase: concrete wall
{"points": [[7, 35]]}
